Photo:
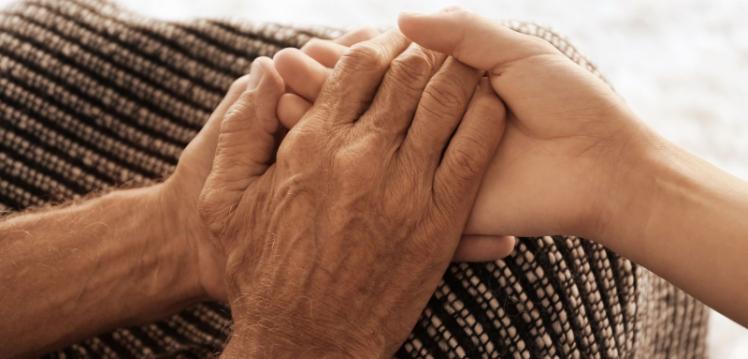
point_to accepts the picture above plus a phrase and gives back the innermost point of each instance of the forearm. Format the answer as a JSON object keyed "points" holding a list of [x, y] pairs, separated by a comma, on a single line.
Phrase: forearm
{"points": [[71, 272], [252, 340], [685, 220]]}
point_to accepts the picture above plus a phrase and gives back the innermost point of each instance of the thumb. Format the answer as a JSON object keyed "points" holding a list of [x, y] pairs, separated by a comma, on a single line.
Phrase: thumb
{"points": [[246, 144], [246, 139], [474, 40]]}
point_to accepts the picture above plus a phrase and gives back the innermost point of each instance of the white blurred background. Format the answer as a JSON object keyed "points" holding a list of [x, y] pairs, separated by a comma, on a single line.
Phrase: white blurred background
{"points": [[682, 65]]}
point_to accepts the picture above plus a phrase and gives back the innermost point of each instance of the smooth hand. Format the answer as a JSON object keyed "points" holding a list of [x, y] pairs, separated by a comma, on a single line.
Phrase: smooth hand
{"points": [[569, 139], [576, 160]]}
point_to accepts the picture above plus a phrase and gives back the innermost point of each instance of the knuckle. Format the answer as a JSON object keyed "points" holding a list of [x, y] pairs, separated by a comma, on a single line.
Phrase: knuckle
{"points": [[355, 162], [313, 43], [366, 32], [302, 142], [239, 115], [298, 142], [239, 84], [465, 165], [205, 210], [364, 56], [285, 59], [347, 160], [459, 12], [409, 70], [445, 93], [317, 47], [209, 210], [284, 52], [488, 106], [542, 45]]}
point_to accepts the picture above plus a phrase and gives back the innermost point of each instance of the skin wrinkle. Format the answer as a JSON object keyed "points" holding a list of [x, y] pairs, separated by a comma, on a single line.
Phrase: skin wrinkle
{"points": [[422, 230], [369, 209]]}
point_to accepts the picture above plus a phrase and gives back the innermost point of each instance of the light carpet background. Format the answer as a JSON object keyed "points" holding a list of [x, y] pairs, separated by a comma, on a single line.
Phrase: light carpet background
{"points": [[682, 65]]}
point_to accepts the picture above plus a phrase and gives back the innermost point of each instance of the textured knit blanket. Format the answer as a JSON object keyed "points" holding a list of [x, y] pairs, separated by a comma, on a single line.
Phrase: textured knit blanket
{"points": [[93, 96]]}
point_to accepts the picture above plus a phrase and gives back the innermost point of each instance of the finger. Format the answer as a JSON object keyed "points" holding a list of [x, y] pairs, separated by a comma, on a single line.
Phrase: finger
{"points": [[208, 136], [236, 89], [483, 248], [472, 39], [357, 35], [326, 52], [302, 74], [440, 110], [353, 82], [401, 90], [246, 138], [245, 143], [470, 150], [291, 108]]}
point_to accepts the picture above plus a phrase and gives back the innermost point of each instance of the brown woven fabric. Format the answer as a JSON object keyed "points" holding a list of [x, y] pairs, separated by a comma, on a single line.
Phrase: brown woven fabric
{"points": [[93, 96]]}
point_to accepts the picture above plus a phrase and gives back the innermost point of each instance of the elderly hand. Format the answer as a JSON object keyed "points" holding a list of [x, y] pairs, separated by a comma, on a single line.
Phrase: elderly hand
{"points": [[180, 192], [304, 72], [335, 244]]}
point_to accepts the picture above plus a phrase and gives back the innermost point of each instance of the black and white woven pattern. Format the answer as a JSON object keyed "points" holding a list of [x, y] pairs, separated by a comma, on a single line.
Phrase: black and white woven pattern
{"points": [[93, 97]]}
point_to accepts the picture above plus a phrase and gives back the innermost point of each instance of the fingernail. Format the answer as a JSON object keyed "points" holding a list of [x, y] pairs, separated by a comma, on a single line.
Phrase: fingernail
{"points": [[256, 73]]}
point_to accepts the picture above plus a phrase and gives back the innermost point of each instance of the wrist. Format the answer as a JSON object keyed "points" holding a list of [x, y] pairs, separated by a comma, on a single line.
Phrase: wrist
{"points": [[178, 223], [631, 185], [153, 267], [254, 342], [176, 259], [656, 182], [184, 229]]}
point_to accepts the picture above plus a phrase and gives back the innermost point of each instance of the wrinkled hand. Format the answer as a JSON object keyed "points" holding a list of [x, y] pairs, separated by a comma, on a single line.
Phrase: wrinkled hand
{"points": [[304, 72], [181, 191], [335, 245]]}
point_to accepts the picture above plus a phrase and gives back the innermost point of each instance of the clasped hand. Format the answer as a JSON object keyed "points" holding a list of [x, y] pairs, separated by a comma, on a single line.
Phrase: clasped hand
{"points": [[334, 235], [368, 193]]}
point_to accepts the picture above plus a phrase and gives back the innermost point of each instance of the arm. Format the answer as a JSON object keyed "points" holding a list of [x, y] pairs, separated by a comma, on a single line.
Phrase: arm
{"points": [[685, 220], [71, 272], [127, 257]]}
